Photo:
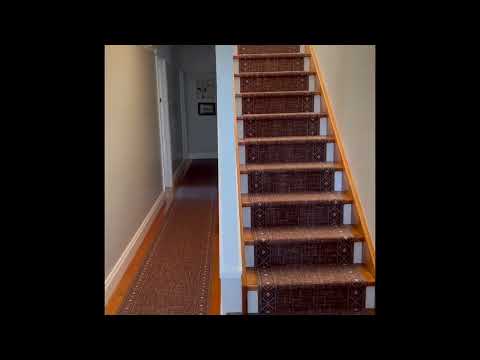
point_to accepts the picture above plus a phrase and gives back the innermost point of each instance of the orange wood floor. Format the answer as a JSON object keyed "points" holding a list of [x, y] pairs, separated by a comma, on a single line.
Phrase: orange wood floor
{"points": [[134, 267]]}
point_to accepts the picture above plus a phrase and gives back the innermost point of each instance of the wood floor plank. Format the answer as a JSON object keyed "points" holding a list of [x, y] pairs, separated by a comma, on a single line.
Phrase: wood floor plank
{"points": [[287, 167], [296, 198], [281, 233], [285, 139]]}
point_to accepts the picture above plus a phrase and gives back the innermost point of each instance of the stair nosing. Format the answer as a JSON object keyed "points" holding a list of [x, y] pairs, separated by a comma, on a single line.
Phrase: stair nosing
{"points": [[301, 167], [249, 240], [282, 115], [270, 55], [274, 73], [302, 198], [286, 139], [251, 271], [277, 93]]}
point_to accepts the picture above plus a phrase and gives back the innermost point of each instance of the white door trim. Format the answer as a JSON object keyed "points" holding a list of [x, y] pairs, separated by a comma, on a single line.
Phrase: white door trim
{"points": [[183, 113], [163, 121]]}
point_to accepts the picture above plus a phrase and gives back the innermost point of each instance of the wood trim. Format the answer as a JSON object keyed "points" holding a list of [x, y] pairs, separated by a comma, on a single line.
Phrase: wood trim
{"points": [[296, 167], [286, 140], [276, 93], [252, 283], [271, 55], [281, 115], [215, 288], [369, 255], [274, 73], [242, 241]]}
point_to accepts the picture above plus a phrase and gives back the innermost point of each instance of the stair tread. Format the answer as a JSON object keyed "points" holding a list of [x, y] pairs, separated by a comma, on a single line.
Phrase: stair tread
{"points": [[286, 139], [282, 167], [276, 93], [270, 55], [301, 115], [274, 73], [312, 275], [296, 198], [361, 312], [301, 233]]}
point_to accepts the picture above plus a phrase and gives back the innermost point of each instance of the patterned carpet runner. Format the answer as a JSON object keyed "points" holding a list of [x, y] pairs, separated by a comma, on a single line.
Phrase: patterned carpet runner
{"points": [[307, 258], [176, 276]]}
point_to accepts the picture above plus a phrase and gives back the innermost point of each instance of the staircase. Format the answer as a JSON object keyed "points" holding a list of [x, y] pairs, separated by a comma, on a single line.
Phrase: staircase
{"points": [[304, 243]]}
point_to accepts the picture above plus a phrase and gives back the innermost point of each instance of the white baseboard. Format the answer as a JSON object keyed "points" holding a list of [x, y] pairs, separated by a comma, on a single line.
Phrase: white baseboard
{"points": [[181, 171], [203, 155], [121, 266]]}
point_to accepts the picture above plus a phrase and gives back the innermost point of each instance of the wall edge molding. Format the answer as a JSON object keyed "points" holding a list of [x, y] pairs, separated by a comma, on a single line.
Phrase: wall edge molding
{"points": [[118, 270]]}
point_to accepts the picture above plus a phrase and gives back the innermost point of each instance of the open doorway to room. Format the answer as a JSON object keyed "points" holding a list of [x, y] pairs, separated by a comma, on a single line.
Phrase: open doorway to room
{"points": [[186, 81], [172, 266]]}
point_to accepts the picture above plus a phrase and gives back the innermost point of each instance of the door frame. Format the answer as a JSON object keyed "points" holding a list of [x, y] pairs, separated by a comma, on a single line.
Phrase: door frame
{"points": [[163, 120], [183, 113]]}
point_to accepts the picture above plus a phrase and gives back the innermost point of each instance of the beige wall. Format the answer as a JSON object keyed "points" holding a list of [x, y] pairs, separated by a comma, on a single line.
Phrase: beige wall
{"points": [[349, 72], [133, 179]]}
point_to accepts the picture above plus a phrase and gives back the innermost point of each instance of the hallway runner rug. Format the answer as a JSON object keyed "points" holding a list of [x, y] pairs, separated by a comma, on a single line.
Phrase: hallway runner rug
{"points": [[176, 276]]}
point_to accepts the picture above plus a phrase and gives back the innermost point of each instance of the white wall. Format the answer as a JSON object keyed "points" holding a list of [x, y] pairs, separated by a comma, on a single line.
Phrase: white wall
{"points": [[349, 73], [198, 62], [174, 114], [133, 179], [169, 53], [229, 209]]}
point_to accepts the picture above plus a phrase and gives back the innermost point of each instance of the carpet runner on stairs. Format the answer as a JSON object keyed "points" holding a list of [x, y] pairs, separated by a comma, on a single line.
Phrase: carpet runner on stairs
{"points": [[303, 253]]}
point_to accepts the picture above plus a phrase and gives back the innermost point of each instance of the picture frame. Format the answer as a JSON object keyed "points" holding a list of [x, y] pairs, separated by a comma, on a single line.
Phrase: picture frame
{"points": [[207, 108]]}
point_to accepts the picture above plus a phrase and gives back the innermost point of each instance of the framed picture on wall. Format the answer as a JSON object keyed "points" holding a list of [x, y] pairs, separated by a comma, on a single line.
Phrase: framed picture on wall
{"points": [[206, 109]]}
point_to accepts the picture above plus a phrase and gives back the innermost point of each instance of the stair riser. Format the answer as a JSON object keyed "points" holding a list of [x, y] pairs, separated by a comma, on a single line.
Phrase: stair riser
{"points": [[297, 215], [277, 104], [291, 182], [275, 83], [271, 64], [269, 49], [253, 299], [309, 252], [282, 127]]}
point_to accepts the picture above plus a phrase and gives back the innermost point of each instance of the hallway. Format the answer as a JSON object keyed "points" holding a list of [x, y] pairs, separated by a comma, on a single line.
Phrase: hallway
{"points": [[179, 274]]}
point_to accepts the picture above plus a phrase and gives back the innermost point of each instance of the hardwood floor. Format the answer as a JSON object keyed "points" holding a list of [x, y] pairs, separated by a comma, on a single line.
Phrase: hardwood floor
{"points": [[123, 286], [135, 266], [214, 301]]}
